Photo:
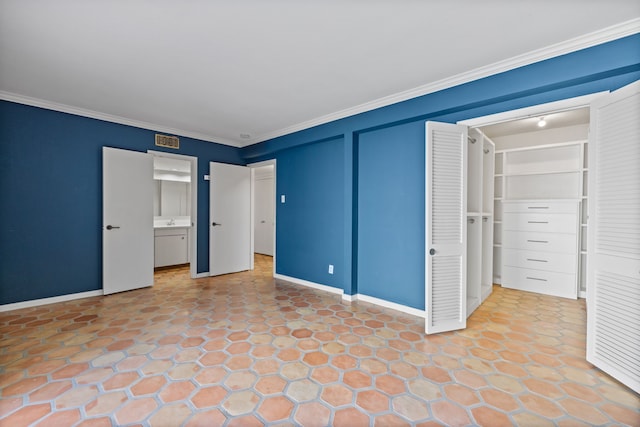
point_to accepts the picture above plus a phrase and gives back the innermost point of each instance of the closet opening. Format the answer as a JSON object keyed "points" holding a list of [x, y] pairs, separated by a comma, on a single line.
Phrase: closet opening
{"points": [[540, 197]]}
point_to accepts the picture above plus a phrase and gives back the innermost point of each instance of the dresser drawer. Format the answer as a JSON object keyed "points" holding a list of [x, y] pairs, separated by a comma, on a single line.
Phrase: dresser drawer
{"points": [[545, 261], [546, 223], [532, 241], [544, 206], [544, 282]]}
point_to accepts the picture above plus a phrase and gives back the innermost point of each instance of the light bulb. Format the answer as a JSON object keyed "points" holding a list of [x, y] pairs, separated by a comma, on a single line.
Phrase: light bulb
{"points": [[542, 123]]}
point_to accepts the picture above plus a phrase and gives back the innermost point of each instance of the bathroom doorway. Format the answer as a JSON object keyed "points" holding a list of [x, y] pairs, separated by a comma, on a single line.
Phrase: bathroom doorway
{"points": [[175, 210]]}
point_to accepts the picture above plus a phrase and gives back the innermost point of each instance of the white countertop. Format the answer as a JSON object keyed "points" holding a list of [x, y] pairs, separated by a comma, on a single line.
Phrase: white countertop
{"points": [[160, 226], [169, 223]]}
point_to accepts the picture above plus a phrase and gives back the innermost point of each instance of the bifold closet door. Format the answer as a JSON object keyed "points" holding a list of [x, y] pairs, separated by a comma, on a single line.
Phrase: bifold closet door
{"points": [[613, 286], [446, 227]]}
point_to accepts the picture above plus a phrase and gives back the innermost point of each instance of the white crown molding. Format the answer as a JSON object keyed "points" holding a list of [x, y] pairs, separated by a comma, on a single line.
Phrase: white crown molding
{"points": [[588, 40], [578, 43], [63, 108]]}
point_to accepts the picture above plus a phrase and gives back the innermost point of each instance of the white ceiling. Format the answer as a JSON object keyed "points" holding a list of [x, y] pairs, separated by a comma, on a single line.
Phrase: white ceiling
{"points": [[218, 69]]}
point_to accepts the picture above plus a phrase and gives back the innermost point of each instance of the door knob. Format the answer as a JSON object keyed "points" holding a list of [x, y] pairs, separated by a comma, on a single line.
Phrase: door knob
{"points": [[111, 227], [432, 251], [215, 223]]}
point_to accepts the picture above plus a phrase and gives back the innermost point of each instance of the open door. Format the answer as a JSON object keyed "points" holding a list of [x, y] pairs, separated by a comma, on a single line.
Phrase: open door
{"points": [[229, 219], [127, 212], [613, 275], [446, 227]]}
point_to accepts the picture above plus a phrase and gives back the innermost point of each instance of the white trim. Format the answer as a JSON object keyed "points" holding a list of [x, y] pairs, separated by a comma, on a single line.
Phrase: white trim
{"points": [[535, 110], [201, 275], [51, 300], [63, 108], [356, 297], [391, 305], [582, 42], [582, 294], [308, 284], [193, 230], [349, 298], [543, 146]]}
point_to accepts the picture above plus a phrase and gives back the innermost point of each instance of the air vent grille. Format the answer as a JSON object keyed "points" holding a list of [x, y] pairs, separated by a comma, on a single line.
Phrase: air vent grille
{"points": [[167, 141]]}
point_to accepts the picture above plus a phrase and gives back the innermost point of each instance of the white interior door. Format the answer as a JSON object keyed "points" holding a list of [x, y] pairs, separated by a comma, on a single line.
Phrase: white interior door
{"points": [[127, 213], [264, 221], [229, 218], [446, 227], [613, 275]]}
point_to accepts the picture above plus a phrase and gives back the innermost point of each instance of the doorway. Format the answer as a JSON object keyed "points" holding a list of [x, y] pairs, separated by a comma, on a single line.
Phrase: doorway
{"points": [[523, 134], [175, 209], [263, 178]]}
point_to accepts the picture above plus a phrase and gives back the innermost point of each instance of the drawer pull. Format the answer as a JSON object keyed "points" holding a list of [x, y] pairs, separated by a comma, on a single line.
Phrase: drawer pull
{"points": [[536, 278], [538, 207], [538, 222], [538, 241], [537, 260]]}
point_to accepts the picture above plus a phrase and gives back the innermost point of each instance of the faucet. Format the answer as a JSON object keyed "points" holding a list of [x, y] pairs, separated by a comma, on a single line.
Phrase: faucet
{"points": [[171, 222]]}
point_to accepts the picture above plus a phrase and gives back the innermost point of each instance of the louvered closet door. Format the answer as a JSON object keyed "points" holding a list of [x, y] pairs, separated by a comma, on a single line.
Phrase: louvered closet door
{"points": [[613, 287], [446, 227]]}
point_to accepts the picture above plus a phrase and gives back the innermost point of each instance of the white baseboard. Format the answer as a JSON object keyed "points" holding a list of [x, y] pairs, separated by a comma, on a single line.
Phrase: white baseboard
{"points": [[52, 300], [356, 297], [201, 275], [582, 294], [349, 298], [309, 284], [389, 304]]}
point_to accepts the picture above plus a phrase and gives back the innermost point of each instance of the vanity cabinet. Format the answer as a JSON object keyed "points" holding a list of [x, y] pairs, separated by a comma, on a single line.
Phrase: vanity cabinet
{"points": [[171, 246]]}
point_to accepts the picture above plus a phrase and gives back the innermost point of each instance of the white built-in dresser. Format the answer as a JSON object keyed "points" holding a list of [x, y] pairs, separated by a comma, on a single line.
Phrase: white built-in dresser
{"points": [[540, 250], [540, 218]]}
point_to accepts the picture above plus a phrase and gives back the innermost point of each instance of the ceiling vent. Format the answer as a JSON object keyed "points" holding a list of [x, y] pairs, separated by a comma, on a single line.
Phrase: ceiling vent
{"points": [[167, 141]]}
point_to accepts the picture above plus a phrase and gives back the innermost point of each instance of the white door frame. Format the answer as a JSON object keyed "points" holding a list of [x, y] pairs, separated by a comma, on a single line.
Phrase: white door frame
{"points": [[253, 166], [535, 110], [193, 231]]}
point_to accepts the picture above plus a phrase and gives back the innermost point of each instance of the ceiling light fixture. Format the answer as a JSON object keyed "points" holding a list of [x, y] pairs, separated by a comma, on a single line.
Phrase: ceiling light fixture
{"points": [[542, 122]]}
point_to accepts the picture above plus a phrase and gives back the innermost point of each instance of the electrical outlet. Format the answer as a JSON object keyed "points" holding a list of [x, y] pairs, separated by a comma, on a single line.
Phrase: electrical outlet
{"points": [[330, 268], [282, 198]]}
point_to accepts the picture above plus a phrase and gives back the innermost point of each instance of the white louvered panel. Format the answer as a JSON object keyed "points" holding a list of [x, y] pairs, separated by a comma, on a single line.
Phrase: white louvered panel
{"points": [[613, 243], [447, 203], [617, 323], [446, 298], [617, 183], [445, 226]]}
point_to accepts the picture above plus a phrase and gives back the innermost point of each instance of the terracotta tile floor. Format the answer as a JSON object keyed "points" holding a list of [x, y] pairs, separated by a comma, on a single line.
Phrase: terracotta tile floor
{"points": [[244, 350]]}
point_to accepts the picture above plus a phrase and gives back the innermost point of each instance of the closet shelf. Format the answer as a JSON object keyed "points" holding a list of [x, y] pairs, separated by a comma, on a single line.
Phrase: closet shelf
{"points": [[556, 172]]}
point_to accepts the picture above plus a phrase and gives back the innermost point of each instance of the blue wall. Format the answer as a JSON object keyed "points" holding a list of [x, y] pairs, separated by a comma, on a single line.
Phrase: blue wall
{"points": [[309, 229], [51, 198], [383, 167], [390, 220]]}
